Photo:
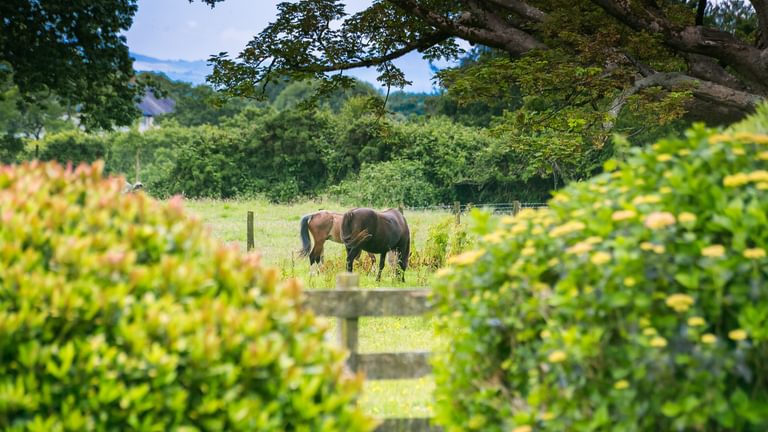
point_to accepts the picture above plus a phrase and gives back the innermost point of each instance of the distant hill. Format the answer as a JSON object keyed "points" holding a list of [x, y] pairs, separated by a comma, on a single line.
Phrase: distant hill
{"points": [[181, 70]]}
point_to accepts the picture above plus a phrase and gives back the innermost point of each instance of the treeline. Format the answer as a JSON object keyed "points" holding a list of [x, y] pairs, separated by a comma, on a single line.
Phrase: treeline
{"points": [[420, 150]]}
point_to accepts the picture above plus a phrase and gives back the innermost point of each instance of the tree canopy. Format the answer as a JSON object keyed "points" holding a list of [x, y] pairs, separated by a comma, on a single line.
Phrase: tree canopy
{"points": [[73, 49], [600, 56]]}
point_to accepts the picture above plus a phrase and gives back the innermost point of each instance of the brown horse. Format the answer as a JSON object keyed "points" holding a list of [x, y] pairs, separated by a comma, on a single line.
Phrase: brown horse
{"points": [[364, 229], [323, 225]]}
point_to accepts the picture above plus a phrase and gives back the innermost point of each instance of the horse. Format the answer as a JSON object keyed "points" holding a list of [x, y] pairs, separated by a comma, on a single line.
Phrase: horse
{"points": [[364, 229], [323, 225]]}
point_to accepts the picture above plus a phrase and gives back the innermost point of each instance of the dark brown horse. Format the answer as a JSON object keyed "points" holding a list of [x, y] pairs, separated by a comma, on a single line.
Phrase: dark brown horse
{"points": [[364, 229], [323, 225]]}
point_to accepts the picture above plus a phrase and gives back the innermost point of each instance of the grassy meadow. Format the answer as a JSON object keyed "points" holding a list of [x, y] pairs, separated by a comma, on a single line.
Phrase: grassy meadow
{"points": [[276, 234]]}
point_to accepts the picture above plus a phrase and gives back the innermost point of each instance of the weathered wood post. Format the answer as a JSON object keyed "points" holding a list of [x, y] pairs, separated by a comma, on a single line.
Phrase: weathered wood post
{"points": [[457, 211], [516, 207], [347, 327], [250, 244]]}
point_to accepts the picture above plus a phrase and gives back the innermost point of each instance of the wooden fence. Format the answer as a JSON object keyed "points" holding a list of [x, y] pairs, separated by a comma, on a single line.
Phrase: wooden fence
{"points": [[349, 303]]}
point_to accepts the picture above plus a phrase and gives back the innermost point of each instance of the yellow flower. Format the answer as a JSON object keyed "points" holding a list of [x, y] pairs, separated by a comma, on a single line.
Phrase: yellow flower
{"points": [[696, 321], [545, 334], [737, 335], [553, 262], [646, 199], [508, 220], [621, 384], [664, 157], [466, 258], [593, 240], [567, 228], [658, 342], [686, 217], [556, 356], [708, 338], [738, 151], [646, 246], [494, 237], [684, 152], [523, 428], [623, 215], [752, 137], [719, 138], [649, 331], [714, 251], [549, 415], [679, 302], [763, 155], [665, 189], [600, 258], [445, 271], [658, 220], [758, 176], [629, 281], [537, 230], [735, 180], [659, 249], [762, 186], [754, 253], [579, 248], [528, 251]]}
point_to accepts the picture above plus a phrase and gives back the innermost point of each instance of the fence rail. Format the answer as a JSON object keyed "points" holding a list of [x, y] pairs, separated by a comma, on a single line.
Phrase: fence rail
{"points": [[348, 303], [501, 208]]}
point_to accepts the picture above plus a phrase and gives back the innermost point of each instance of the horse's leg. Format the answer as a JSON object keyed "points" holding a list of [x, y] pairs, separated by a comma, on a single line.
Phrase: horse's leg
{"points": [[351, 255], [382, 260], [403, 251]]}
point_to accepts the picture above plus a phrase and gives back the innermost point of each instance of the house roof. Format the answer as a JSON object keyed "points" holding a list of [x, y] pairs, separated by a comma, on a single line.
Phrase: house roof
{"points": [[150, 105]]}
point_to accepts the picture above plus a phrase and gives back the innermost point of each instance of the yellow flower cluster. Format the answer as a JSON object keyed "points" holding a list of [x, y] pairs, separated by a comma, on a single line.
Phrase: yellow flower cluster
{"points": [[714, 251], [740, 179], [567, 228], [679, 302], [686, 217], [623, 215], [646, 199], [579, 248], [754, 253], [737, 335], [696, 321], [648, 246], [658, 220], [658, 342], [466, 258], [621, 384], [664, 157], [557, 356], [708, 338], [600, 258]]}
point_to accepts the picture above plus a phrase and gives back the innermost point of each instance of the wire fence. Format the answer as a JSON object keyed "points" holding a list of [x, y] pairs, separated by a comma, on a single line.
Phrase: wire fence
{"points": [[497, 208]]}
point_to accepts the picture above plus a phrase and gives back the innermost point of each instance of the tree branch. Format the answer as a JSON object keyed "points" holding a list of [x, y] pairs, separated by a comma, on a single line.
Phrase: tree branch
{"points": [[761, 7], [511, 39], [747, 60], [520, 8]]}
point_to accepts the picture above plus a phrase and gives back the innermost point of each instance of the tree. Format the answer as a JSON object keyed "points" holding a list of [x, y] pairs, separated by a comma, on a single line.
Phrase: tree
{"points": [[71, 48], [597, 55]]}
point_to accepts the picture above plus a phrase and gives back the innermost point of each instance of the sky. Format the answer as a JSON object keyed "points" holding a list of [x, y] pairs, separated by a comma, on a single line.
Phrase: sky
{"points": [[179, 30]]}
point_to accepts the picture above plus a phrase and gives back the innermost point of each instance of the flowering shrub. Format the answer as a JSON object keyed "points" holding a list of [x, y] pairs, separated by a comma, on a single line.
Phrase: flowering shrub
{"points": [[638, 301], [118, 312]]}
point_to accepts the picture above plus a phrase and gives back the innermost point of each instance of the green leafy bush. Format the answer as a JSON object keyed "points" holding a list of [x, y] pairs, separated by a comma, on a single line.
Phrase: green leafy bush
{"points": [[73, 146], [636, 302], [118, 312], [387, 184]]}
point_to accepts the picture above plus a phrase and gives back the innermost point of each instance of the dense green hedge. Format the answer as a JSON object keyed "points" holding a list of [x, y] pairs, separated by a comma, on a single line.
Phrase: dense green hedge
{"points": [[637, 302], [119, 312]]}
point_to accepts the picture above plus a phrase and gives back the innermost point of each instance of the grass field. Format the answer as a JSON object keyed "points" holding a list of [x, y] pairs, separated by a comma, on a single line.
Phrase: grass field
{"points": [[276, 232]]}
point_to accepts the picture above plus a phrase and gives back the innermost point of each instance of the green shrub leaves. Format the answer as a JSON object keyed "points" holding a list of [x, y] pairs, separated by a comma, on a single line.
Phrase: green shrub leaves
{"points": [[636, 302], [117, 312]]}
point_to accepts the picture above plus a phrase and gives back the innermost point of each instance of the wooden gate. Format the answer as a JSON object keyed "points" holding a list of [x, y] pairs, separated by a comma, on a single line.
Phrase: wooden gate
{"points": [[349, 303]]}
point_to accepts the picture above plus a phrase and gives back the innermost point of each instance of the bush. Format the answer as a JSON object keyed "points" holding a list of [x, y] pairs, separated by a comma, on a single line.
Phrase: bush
{"points": [[387, 184], [636, 302], [118, 312], [72, 146]]}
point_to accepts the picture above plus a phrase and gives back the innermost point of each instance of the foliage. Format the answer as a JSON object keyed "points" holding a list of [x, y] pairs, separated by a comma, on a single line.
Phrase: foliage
{"points": [[76, 51], [118, 311], [73, 147], [444, 240], [387, 184], [634, 302]]}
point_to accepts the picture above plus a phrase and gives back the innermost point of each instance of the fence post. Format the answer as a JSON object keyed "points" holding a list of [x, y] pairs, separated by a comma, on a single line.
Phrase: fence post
{"points": [[457, 211], [516, 206], [250, 243], [347, 327]]}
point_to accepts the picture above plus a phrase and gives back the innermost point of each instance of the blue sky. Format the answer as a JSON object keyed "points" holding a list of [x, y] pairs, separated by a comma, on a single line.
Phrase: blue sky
{"points": [[178, 30]]}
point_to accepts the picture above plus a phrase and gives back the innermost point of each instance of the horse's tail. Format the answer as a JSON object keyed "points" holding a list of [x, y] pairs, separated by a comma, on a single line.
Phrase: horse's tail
{"points": [[359, 238], [306, 244]]}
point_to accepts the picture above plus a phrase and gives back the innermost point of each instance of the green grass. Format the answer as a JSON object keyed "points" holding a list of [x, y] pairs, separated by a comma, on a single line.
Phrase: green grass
{"points": [[276, 235]]}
